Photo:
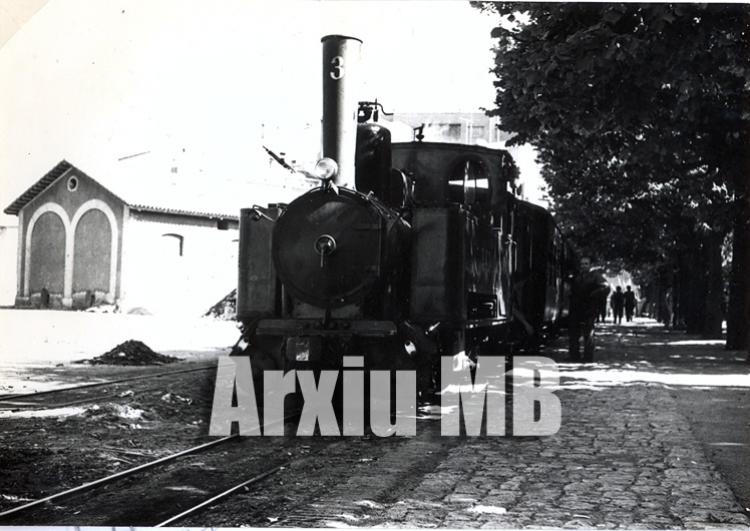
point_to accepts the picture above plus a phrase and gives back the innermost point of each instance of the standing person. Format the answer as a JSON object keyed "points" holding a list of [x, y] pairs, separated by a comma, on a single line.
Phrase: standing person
{"points": [[629, 304], [618, 303], [587, 290]]}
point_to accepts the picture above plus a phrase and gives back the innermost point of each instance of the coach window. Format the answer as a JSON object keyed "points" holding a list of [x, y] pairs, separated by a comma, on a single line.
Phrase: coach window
{"points": [[173, 244], [469, 182]]}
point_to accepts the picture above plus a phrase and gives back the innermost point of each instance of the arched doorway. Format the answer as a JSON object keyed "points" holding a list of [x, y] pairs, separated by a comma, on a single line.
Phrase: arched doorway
{"points": [[47, 255], [92, 257]]}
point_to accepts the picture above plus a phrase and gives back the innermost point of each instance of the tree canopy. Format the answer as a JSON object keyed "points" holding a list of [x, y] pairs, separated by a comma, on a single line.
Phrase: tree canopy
{"points": [[636, 109], [639, 113]]}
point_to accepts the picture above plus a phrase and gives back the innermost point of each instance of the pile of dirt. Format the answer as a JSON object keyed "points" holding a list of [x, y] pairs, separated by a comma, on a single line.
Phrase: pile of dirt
{"points": [[225, 309], [131, 352]]}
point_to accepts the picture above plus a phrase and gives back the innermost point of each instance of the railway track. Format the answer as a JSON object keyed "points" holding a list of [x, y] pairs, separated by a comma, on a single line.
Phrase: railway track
{"points": [[109, 479], [347, 482], [165, 490], [229, 478], [198, 484], [181, 487], [207, 503], [90, 392]]}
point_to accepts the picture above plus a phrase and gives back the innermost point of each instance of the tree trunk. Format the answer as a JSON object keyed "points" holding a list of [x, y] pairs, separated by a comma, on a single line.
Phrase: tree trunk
{"points": [[702, 286], [670, 296], [695, 290], [678, 320], [738, 327], [714, 286]]}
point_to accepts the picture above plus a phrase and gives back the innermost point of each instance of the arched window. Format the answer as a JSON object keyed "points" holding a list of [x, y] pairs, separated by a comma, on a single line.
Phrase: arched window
{"points": [[173, 244]]}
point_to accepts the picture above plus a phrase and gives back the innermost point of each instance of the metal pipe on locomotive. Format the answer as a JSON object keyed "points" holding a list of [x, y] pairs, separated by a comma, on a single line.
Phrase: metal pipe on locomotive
{"points": [[400, 266]]}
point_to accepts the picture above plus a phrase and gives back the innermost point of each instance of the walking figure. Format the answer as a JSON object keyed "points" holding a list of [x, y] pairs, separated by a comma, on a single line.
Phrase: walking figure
{"points": [[629, 304], [586, 292], [618, 303]]}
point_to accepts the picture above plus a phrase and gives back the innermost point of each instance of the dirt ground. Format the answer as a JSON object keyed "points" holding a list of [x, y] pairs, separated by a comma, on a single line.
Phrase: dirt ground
{"points": [[57, 449], [65, 447], [48, 450]]}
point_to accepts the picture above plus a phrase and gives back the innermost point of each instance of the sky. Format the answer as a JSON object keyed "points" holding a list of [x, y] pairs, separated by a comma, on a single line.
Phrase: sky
{"points": [[202, 85]]}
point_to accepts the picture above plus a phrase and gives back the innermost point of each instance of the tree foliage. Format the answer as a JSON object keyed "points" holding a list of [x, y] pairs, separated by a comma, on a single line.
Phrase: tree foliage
{"points": [[640, 115], [637, 112]]}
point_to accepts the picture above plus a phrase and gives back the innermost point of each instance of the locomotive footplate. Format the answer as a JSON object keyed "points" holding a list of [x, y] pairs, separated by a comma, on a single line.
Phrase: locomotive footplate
{"points": [[334, 327]]}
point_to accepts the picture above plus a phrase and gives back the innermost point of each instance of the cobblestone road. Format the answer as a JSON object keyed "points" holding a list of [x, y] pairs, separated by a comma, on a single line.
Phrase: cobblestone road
{"points": [[625, 457]]}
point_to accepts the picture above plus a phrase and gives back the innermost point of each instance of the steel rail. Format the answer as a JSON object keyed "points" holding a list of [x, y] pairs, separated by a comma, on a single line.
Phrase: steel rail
{"points": [[36, 406], [118, 475], [130, 471], [100, 384], [234, 489], [224, 494]]}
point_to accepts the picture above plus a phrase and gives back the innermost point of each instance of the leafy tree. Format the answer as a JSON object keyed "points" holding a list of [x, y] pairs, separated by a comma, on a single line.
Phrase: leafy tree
{"points": [[639, 114]]}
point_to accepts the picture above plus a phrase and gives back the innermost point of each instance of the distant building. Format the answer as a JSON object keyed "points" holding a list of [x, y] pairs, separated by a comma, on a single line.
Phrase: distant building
{"points": [[126, 237], [8, 239], [473, 128], [458, 127]]}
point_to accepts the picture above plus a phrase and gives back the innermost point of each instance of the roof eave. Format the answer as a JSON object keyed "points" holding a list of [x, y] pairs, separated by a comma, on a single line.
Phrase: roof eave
{"points": [[178, 212], [38, 187]]}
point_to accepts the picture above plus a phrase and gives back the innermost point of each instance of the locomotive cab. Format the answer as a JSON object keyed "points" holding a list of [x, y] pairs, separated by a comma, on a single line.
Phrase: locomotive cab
{"points": [[461, 254]]}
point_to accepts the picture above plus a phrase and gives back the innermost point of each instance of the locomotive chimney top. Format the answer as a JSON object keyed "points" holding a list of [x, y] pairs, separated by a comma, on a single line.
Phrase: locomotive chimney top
{"points": [[326, 37], [340, 61]]}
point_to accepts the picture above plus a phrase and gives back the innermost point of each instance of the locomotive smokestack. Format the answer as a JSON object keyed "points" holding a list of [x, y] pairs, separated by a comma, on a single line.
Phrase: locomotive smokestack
{"points": [[340, 60]]}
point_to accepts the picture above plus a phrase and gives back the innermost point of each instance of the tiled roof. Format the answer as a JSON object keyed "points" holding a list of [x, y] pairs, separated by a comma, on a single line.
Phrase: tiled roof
{"points": [[161, 210], [38, 187], [143, 185]]}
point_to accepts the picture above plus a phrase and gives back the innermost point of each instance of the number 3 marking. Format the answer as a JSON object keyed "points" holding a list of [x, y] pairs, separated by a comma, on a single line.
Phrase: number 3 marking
{"points": [[338, 67]]}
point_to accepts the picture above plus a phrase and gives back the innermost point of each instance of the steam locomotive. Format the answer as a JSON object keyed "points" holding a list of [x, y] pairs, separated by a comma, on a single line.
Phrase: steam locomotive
{"points": [[406, 252]]}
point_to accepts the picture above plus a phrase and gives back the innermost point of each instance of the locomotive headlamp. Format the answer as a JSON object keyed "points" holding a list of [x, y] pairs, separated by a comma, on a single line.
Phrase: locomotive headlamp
{"points": [[326, 169]]}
